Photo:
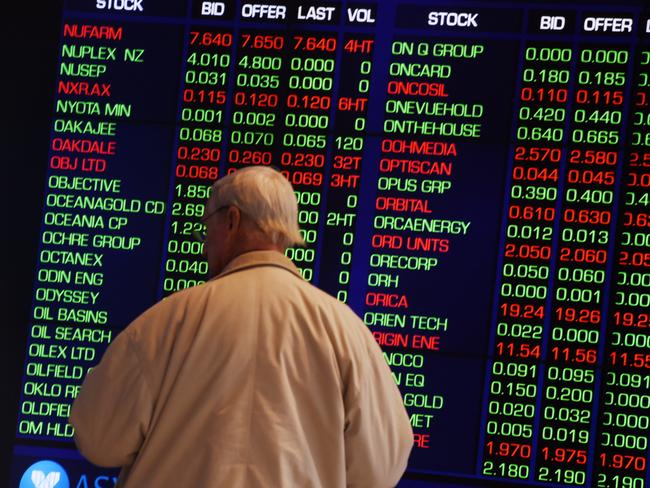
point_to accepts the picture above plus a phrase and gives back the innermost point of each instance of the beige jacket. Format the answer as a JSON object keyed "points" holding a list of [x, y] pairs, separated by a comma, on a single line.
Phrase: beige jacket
{"points": [[253, 379]]}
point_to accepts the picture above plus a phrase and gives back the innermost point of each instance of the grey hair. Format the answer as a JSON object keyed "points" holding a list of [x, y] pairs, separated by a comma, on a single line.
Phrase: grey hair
{"points": [[266, 197]]}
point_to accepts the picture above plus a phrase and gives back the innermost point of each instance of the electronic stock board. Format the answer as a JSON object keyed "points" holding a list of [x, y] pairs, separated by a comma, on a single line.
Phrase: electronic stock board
{"points": [[473, 180]]}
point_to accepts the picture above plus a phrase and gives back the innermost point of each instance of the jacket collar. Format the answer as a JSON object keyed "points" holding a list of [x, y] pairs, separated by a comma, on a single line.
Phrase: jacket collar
{"points": [[259, 258]]}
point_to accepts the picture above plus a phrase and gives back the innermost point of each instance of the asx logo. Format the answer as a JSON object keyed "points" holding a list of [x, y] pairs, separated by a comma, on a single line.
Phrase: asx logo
{"points": [[45, 474]]}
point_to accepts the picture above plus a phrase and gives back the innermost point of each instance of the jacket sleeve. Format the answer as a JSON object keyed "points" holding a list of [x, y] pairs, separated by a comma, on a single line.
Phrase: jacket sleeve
{"points": [[378, 433], [112, 411]]}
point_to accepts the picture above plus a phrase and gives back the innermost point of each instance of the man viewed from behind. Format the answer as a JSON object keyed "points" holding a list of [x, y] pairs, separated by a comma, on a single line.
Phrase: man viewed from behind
{"points": [[254, 379]]}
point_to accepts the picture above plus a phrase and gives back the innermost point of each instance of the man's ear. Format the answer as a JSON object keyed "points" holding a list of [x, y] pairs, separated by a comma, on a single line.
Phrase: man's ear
{"points": [[233, 218]]}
